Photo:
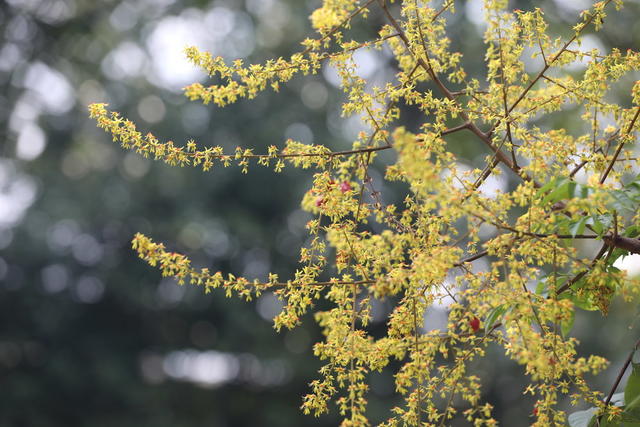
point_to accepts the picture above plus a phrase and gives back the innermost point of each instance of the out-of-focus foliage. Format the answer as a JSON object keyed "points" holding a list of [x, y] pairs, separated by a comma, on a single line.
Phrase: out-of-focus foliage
{"points": [[88, 334]]}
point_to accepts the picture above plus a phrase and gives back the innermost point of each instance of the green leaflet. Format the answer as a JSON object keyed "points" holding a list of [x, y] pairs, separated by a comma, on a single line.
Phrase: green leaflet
{"points": [[494, 316], [632, 390]]}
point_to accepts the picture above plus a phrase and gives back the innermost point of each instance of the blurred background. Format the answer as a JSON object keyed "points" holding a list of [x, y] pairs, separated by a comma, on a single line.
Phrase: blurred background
{"points": [[89, 334]]}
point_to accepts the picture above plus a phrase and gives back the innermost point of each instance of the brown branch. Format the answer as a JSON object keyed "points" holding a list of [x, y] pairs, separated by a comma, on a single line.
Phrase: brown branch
{"points": [[292, 283], [455, 129], [471, 258], [619, 149], [329, 55], [485, 137], [530, 234], [544, 57], [566, 91], [330, 154], [284, 155], [504, 99], [416, 334], [547, 66], [485, 173], [619, 377], [583, 273], [626, 243]]}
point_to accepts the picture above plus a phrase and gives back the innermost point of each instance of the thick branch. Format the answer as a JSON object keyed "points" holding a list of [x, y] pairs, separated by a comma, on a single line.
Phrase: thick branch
{"points": [[626, 243]]}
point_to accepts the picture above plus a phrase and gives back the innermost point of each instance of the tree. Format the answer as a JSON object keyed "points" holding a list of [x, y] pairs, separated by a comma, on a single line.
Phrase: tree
{"points": [[567, 187]]}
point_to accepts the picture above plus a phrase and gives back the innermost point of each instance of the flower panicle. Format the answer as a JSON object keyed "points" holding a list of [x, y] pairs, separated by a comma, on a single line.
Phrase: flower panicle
{"points": [[124, 131]]}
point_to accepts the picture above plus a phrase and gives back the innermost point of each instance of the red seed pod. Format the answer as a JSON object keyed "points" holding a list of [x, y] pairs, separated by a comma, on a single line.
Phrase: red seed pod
{"points": [[475, 324], [320, 201], [345, 186]]}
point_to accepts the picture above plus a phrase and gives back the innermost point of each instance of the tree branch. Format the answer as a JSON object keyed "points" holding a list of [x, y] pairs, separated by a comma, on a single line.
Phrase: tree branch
{"points": [[619, 377], [485, 137], [583, 273], [626, 243], [619, 149]]}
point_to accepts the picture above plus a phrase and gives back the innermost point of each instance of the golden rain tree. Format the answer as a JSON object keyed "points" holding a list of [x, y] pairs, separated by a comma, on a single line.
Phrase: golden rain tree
{"points": [[569, 188]]}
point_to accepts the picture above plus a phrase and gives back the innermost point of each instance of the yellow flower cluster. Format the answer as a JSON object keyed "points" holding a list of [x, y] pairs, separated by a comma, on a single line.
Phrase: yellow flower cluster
{"points": [[565, 186]]}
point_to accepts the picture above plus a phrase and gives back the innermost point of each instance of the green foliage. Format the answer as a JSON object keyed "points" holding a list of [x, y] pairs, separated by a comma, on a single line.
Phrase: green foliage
{"points": [[624, 409]]}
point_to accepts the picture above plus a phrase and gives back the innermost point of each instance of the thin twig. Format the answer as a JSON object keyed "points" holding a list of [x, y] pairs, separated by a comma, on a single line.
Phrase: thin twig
{"points": [[583, 273], [619, 149], [471, 258], [485, 137], [619, 377]]}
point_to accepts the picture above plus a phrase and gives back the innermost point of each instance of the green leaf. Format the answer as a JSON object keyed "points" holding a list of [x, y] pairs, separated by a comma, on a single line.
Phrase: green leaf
{"points": [[629, 419], [578, 227], [632, 389], [622, 201], [493, 316], [578, 191], [587, 418], [632, 231], [560, 192], [548, 186], [617, 253], [541, 287], [633, 190], [631, 415], [566, 326], [582, 301], [601, 223], [582, 418]]}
